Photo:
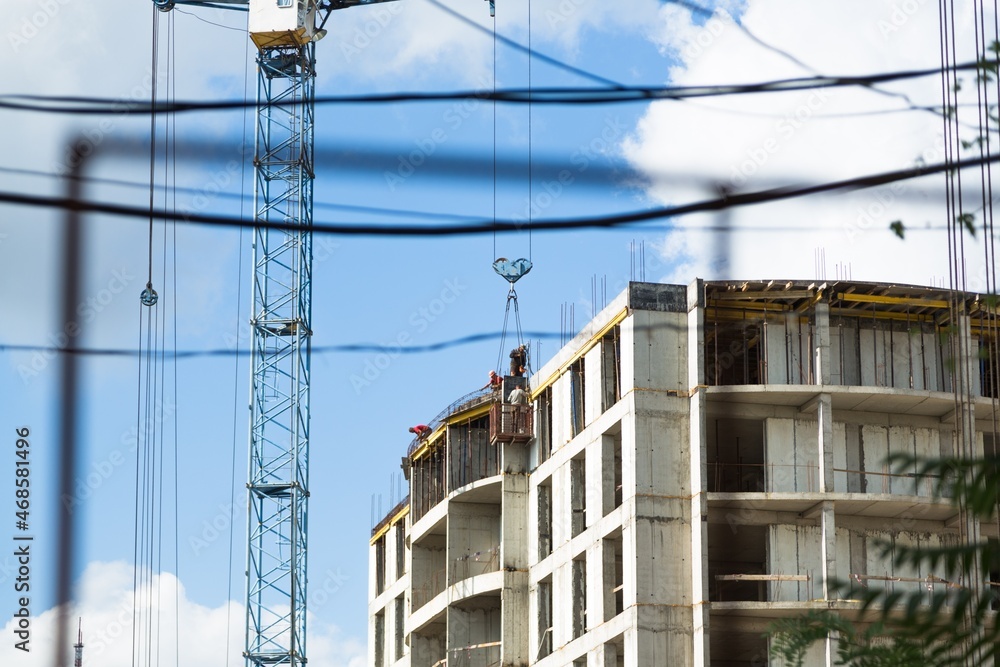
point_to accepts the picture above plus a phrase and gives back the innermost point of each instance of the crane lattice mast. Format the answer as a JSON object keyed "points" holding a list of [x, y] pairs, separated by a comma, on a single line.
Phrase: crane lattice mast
{"points": [[285, 32]]}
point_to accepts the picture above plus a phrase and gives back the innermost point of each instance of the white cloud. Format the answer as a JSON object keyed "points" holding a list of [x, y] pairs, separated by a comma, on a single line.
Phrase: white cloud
{"points": [[198, 636], [753, 142]]}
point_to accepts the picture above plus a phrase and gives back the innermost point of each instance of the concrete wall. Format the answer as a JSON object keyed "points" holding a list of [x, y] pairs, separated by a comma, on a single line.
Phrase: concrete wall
{"points": [[788, 354], [795, 550], [899, 355], [877, 442], [791, 455], [472, 627], [658, 346], [473, 537]]}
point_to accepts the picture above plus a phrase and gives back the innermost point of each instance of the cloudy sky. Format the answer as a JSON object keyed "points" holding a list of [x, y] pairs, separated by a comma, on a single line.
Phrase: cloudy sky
{"points": [[427, 162]]}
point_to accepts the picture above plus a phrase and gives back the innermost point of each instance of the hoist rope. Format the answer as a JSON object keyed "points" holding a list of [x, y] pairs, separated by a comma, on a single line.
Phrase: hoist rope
{"points": [[494, 136], [530, 164], [236, 363]]}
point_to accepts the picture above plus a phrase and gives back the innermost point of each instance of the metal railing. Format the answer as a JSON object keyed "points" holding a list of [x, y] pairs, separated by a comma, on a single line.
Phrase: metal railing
{"points": [[470, 400], [511, 422], [473, 564], [430, 588], [485, 654], [765, 587], [762, 477]]}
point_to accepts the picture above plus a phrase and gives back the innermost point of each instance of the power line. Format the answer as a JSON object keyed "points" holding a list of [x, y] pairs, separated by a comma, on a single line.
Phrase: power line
{"points": [[316, 349], [551, 95], [524, 49], [376, 210], [724, 202], [695, 8]]}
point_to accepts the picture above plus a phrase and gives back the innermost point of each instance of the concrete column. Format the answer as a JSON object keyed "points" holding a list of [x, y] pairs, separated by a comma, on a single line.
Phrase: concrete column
{"points": [[821, 339], [514, 631], [967, 387], [824, 418], [828, 546], [699, 534], [696, 335], [698, 565], [606, 655]]}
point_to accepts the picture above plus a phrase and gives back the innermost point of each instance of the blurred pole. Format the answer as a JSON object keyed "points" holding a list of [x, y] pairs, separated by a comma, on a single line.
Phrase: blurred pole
{"points": [[721, 263], [72, 264]]}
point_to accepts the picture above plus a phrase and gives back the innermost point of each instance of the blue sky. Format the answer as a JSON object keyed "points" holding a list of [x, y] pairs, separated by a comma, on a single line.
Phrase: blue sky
{"points": [[377, 290]]}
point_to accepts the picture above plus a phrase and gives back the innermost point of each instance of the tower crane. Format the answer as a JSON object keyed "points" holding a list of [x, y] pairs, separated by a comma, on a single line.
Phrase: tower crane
{"points": [[285, 33]]}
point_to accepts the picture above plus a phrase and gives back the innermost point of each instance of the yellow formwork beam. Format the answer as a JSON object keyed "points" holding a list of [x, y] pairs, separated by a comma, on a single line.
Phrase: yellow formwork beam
{"points": [[892, 300], [882, 315], [397, 517], [594, 340], [777, 295], [430, 443], [471, 413]]}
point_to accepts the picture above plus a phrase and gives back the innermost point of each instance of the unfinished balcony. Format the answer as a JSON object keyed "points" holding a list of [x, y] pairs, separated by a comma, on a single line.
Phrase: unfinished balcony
{"points": [[762, 564]]}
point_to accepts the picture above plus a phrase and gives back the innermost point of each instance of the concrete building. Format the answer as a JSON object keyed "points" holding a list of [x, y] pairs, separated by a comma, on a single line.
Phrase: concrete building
{"points": [[696, 463]]}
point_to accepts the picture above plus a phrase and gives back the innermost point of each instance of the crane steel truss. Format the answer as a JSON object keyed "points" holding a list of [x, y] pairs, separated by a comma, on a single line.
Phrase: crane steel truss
{"points": [[278, 486]]}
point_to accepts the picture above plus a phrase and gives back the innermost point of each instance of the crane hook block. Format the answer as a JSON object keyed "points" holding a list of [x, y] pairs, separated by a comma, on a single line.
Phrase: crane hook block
{"points": [[512, 270]]}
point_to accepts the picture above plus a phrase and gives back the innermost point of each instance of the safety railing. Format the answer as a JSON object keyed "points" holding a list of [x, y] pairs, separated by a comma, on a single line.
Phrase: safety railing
{"points": [[762, 477], [511, 422], [476, 563], [485, 654], [761, 587], [430, 588]]}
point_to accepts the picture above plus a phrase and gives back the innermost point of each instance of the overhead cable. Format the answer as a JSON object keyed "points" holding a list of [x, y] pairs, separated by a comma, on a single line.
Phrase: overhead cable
{"points": [[724, 202], [549, 95]]}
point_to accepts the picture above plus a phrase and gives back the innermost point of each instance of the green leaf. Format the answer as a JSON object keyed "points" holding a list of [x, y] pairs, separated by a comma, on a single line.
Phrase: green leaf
{"points": [[897, 228], [967, 220]]}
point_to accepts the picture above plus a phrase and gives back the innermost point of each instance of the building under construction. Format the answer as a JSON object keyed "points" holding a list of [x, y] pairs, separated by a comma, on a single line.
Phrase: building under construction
{"points": [[696, 463]]}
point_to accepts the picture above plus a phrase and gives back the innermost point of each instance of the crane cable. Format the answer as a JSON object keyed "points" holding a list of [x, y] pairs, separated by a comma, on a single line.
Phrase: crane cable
{"points": [[956, 219], [236, 364], [151, 403], [513, 271], [494, 134], [530, 170]]}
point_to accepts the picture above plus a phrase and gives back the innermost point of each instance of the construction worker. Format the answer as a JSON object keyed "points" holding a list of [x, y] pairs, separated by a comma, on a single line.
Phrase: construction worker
{"points": [[495, 382], [518, 360], [518, 396], [421, 431]]}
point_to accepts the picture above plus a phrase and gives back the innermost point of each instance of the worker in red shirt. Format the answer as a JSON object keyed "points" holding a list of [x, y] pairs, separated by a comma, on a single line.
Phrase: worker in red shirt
{"points": [[421, 430], [495, 382]]}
